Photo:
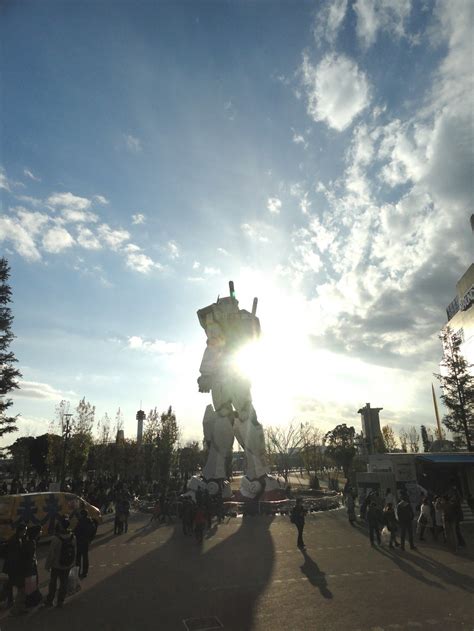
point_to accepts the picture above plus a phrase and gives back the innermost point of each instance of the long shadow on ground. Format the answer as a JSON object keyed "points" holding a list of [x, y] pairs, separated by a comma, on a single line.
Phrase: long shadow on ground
{"points": [[176, 581]]}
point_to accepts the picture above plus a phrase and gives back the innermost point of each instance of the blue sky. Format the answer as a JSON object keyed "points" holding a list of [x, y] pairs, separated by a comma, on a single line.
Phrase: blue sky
{"points": [[319, 154]]}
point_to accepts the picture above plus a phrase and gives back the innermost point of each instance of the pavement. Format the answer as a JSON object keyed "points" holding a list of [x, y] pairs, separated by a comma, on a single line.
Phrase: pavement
{"points": [[248, 575]]}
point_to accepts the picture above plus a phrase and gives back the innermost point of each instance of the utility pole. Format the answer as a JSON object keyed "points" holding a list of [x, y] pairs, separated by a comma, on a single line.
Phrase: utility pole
{"points": [[66, 434]]}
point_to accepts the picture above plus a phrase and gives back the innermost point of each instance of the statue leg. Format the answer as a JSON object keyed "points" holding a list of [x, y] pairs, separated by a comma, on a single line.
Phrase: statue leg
{"points": [[249, 431], [218, 433]]}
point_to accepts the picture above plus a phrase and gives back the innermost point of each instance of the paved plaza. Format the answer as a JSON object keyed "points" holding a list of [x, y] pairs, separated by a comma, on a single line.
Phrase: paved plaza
{"points": [[249, 575]]}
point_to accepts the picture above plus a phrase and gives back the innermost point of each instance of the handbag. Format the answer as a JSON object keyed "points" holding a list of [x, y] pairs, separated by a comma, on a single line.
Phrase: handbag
{"points": [[73, 583]]}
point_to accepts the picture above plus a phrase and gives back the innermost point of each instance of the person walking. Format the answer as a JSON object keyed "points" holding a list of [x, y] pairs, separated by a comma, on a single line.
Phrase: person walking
{"points": [[33, 595], [200, 521], [458, 518], [439, 518], [391, 523], [424, 518], [298, 518], [449, 522], [405, 519], [84, 533], [61, 558]]}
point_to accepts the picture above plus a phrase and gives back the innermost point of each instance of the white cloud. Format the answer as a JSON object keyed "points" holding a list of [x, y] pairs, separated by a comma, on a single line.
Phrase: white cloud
{"points": [[254, 232], [72, 215], [299, 139], [274, 205], [211, 271], [138, 219], [12, 230], [100, 199], [30, 175], [38, 390], [87, 239], [337, 90], [68, 201], [133, 143], [381, 15], [173, 249], [223, 251], [196, 265], [32, 222], [329, 20], [113, 238], [140, 262], [158, 347], [56, 240], [3, 180]]}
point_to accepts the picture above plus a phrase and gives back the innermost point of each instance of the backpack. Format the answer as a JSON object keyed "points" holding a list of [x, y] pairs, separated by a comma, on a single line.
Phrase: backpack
{"points": [[67, 555]]}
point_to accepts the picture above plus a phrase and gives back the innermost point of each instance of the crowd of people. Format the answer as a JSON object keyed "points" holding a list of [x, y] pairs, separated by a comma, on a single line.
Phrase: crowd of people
{"points": [[67, 561], [439, 515]]}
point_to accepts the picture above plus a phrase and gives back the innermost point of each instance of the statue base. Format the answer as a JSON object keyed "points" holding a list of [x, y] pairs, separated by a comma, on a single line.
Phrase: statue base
{"points": [[212, 486]]}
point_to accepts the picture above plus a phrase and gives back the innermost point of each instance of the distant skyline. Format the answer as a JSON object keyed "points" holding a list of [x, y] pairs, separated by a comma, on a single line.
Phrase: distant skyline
{"points": [[319, 154]]}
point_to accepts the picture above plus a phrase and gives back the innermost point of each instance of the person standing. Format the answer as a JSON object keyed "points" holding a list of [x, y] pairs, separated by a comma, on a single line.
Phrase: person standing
{"points": [[389, 498], [61, 558], [14, 567], [374, 519], [350, 505], [405, 519], [84, 532], [298, 518]]}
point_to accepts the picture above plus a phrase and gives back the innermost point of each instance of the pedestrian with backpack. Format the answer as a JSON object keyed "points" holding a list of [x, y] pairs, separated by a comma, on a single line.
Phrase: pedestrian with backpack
{"points": [[61, 558]]}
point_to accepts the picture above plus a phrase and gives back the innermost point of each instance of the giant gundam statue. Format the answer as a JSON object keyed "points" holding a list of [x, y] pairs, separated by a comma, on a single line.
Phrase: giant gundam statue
{"points": [[231, 414]]}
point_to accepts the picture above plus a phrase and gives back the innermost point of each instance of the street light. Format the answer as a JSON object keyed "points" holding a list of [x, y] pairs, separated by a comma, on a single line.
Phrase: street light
{"points": [[66, 435]]}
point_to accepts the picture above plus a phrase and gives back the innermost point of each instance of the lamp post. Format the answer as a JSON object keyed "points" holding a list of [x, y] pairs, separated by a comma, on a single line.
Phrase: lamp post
{"points": [[66, 434]]}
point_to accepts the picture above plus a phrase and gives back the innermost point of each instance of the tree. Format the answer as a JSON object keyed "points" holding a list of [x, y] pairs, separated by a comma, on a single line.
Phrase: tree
{"points": [[457, 383], [118, 422], [8, 373], [81, 437], [389, 438], [413, 439], [39, 454], [312, 452], [166, 444], [20, 452], [282, 445], [403, 437], [340, 446], [190, 458], [104, 429]]}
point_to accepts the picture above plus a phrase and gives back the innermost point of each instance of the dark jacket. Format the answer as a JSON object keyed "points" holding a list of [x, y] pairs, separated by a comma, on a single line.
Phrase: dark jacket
{"points": [[297, 515], [84, 531], [405, 512], [15, 561], [374, 516], [390, 520]]}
